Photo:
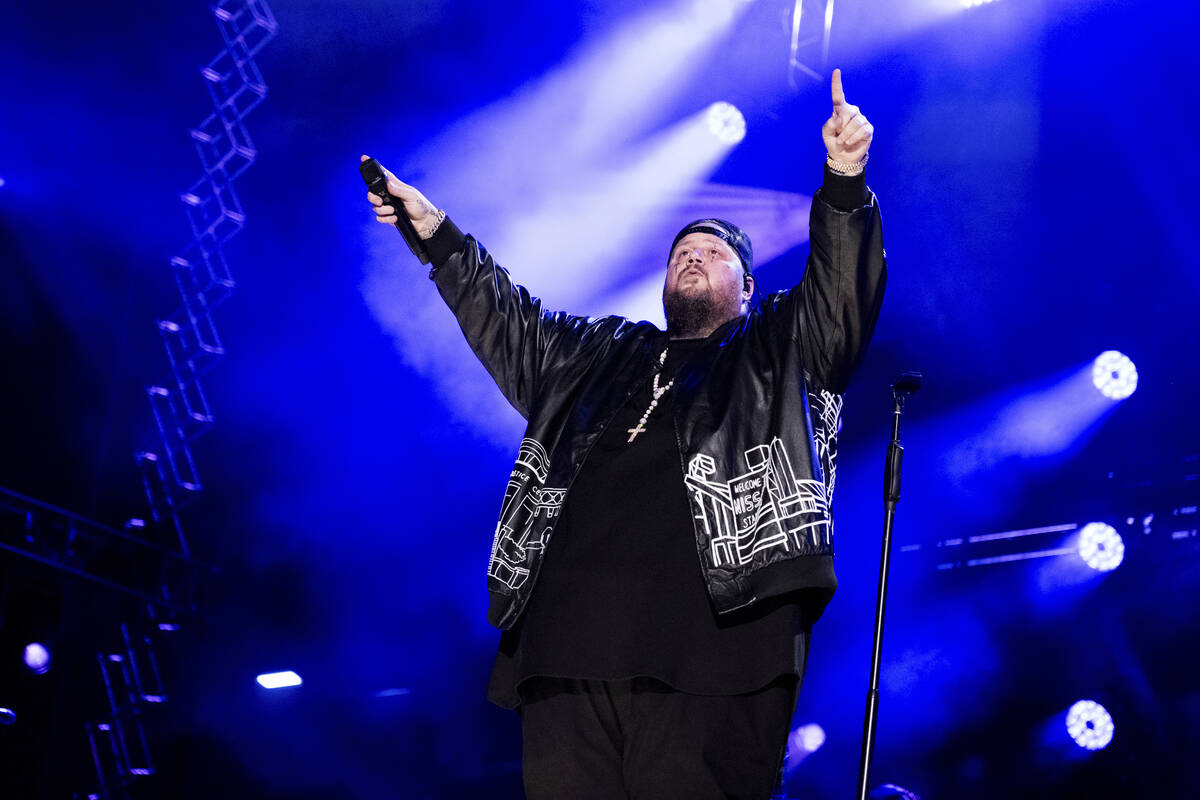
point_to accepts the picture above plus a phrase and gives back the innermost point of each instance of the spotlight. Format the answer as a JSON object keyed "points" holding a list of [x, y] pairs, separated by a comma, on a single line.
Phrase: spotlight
{"points": [[1114, 375], [279, 680], [1101, 547], [726, 123], [1090, 725], [974, 3], [37, 658], [809, 737], [802, 743]]}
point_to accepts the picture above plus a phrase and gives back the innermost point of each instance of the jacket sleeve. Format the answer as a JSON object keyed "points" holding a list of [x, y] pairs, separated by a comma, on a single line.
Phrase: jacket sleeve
{"points": [[830, 315], [519, 343]]}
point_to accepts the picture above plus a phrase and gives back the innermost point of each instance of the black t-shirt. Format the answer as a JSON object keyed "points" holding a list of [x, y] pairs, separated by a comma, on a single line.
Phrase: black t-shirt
{"points": [[620, 593]]}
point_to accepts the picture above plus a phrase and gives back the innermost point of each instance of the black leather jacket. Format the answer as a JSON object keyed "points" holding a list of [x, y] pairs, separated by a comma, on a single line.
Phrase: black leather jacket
{"points": [[756, 417]]}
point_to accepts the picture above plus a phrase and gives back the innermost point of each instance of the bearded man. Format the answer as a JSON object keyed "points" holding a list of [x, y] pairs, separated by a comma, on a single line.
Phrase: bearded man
{"points": [[665, 541]]}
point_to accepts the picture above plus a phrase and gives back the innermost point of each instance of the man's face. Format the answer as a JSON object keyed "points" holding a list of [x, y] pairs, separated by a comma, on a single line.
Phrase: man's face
{"points": [[704, 285]]}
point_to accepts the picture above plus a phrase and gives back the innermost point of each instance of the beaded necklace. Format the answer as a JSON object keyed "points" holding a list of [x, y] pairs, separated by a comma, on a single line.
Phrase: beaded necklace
{"points": [[658, 392]]}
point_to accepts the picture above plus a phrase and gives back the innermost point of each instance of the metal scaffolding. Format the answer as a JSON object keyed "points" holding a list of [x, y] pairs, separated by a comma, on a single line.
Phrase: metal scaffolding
{"points": [[149, 559], [808, 57]]}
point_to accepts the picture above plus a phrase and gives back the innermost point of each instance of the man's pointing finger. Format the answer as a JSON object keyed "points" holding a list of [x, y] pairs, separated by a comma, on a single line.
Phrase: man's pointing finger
{"points": [[839, 97]]}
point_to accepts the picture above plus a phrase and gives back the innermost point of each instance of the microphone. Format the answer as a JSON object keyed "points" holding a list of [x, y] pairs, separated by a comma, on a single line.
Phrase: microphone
{"points": [[908, 383], [376, 180]]}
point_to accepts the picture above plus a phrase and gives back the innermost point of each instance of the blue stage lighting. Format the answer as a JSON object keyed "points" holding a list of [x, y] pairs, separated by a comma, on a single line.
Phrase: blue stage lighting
{"points": [[803, 741], [1101, 547], [1090, 725], [809, 737], [719, 11], [1114, 375], [37, 658], [974, 3], [726, 123], [279, 680]]}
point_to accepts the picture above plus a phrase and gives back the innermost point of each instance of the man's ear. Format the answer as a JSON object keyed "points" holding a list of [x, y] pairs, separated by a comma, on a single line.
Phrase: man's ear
{"points": [[747, 287]]}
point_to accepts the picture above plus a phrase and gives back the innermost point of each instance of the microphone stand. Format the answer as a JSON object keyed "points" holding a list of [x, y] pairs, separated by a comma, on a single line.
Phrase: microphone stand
{"points": [[905, 385]]}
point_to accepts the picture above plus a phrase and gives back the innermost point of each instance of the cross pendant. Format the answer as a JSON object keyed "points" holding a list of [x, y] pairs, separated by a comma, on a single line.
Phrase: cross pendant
{"points": [[633, 432]]}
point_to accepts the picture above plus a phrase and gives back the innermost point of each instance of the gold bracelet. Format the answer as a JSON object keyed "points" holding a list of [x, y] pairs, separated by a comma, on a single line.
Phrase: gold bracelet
{"points": [[847, 168]]}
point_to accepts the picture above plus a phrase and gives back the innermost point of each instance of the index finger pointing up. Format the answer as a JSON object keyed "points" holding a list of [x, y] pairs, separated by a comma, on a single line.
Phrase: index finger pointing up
{"points": [[839, 97]]}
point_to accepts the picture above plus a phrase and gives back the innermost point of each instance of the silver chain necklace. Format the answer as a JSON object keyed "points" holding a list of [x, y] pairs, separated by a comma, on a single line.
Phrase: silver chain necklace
{"points": [[658, 392]]}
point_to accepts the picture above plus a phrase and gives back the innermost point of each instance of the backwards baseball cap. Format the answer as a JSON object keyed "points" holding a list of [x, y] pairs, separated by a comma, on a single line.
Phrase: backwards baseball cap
{"points": [[727, 232]]}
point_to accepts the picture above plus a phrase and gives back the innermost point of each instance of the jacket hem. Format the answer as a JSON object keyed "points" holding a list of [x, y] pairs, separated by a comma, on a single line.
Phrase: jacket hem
{"points": [[813, 574]]}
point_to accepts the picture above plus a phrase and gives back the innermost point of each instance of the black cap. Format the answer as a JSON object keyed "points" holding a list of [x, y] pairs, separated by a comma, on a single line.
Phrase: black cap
{"points": [[726, 231]]}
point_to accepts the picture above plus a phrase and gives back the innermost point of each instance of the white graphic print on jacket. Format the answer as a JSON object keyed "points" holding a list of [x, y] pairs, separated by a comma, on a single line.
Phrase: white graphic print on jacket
{"points": [[529, 505], [826, 407], [767, 506]]}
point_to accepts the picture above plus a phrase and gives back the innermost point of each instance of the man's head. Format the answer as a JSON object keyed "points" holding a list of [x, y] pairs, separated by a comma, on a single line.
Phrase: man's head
{"points": [[709, 279]]}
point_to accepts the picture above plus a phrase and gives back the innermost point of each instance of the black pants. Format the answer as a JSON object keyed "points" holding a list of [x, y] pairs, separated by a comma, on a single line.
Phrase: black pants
{"points": [[639, 739]]}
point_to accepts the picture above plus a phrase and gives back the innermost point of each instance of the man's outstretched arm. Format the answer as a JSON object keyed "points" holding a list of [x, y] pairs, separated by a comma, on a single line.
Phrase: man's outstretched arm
{"points": [[835, 307], [517, 340]]}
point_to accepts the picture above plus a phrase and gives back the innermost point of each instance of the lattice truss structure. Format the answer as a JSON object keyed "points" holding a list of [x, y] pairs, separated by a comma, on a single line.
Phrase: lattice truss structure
{"points": [[189, 334], [118, 743], [808, 56], [150, 559], [1165, 525]]}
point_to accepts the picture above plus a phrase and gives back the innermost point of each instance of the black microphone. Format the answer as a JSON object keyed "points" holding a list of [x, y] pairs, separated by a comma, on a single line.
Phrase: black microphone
{"points": [[376, 179], [908, 383]]}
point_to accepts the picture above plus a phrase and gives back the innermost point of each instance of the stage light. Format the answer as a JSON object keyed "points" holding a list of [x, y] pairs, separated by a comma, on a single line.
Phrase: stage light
{"points": [[975, 3], [592, 134], [7, 716], [802, 743], [37, 658], [1101, 547], [1114, 375], [1090, 725], [1, 183], [810, 737], [726, 123], [279, 680]]}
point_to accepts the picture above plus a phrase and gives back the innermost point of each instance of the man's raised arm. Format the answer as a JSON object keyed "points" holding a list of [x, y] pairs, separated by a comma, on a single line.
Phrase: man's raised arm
{"points": [[519, 343], [833, 310]]}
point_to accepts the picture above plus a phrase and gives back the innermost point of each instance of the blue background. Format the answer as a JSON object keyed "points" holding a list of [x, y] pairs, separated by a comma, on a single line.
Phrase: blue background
{"points": [[1034, 163]]}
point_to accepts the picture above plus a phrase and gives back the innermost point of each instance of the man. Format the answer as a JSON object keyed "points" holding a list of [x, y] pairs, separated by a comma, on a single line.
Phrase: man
{"points": [[665, 541]]}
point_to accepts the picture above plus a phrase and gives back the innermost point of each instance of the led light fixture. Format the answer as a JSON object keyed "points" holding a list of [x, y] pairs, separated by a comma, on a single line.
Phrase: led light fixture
{"points": [[1101, 547], [1090, 725], [279, 680], [37, 658], [1114, 375], [726, 123]]}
